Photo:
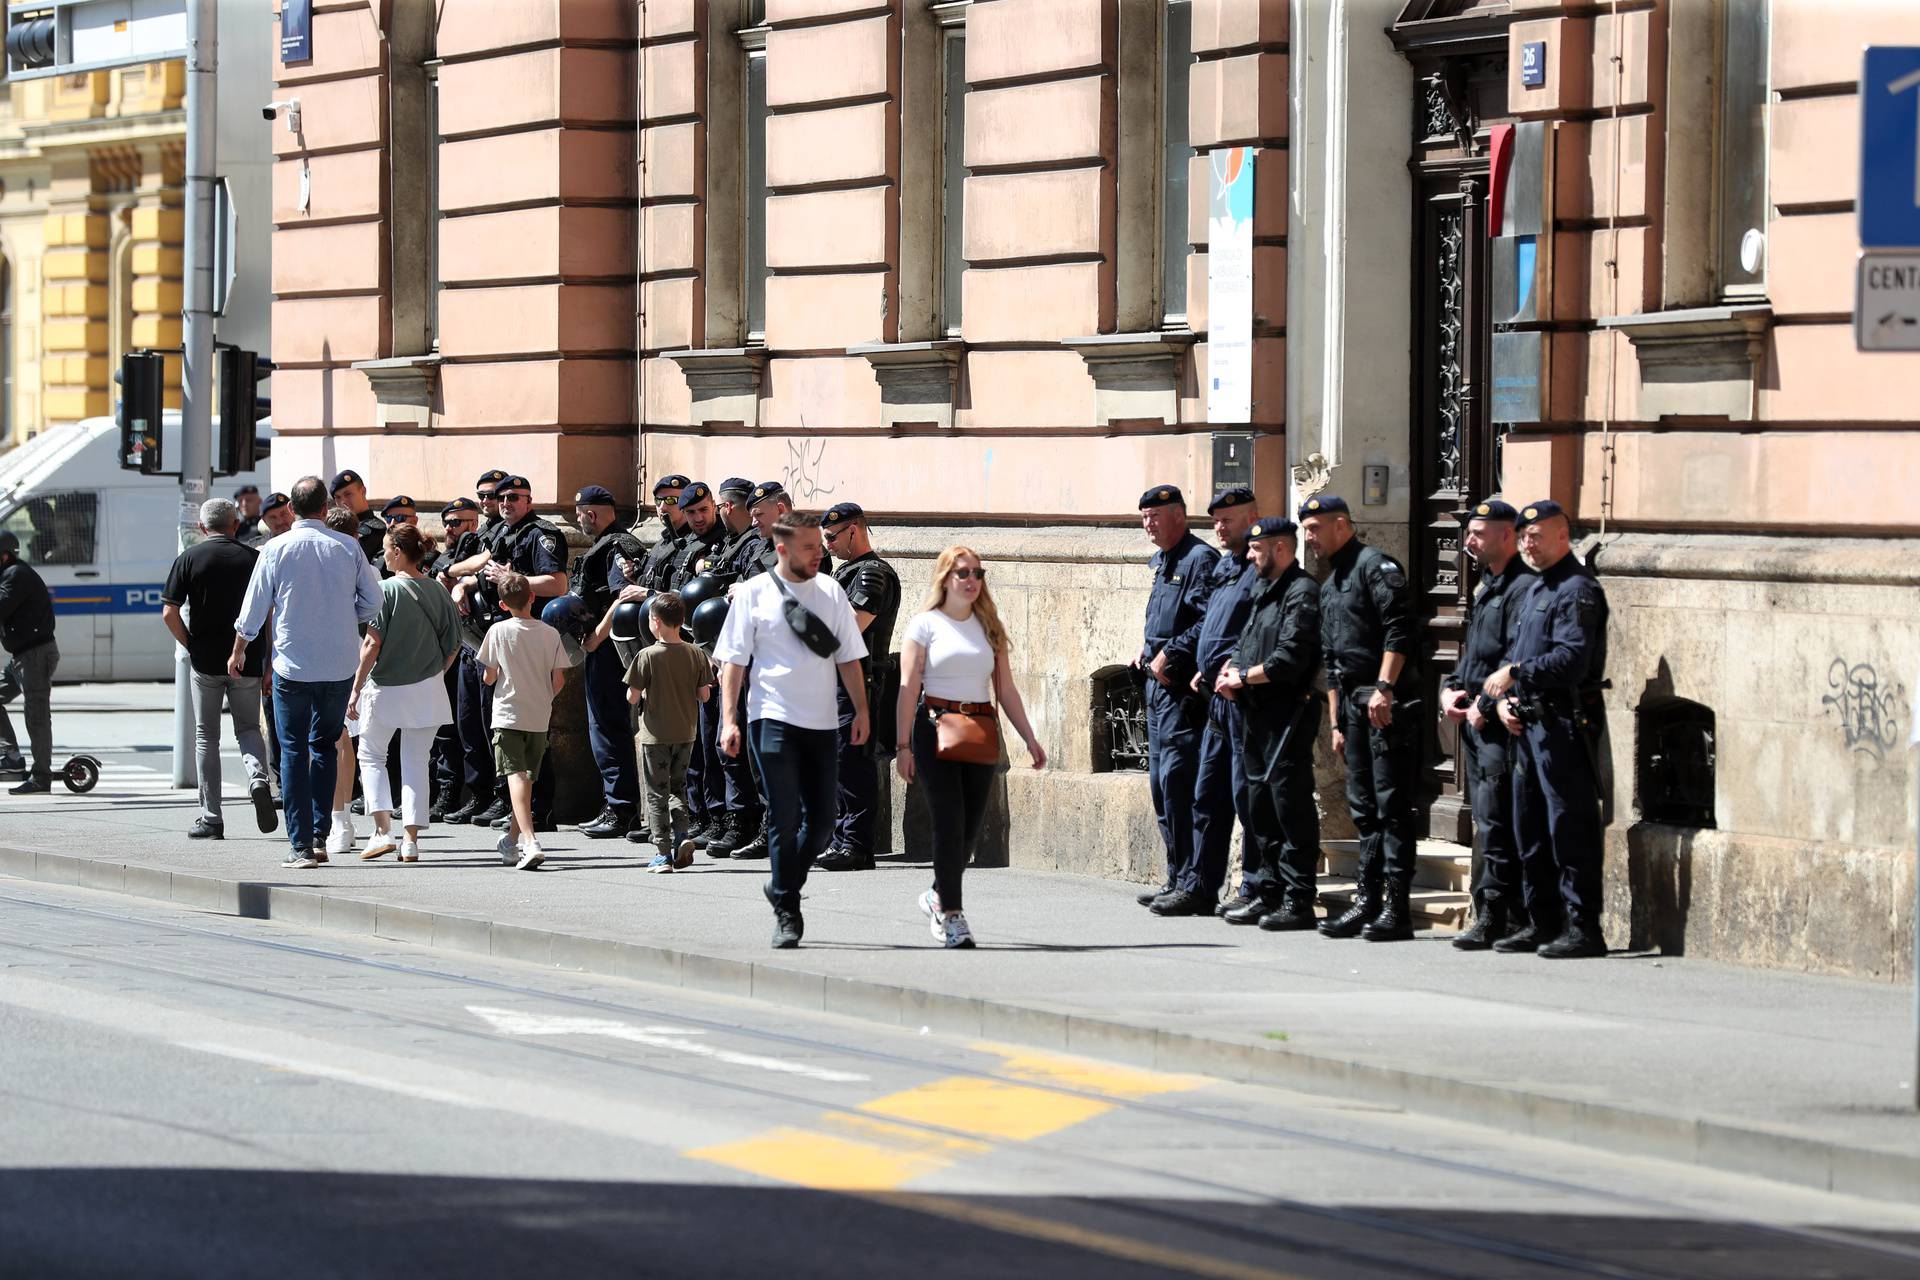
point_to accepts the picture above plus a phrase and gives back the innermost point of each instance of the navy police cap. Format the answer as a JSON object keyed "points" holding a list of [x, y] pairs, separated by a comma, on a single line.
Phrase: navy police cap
{"points": [[488, 479], [1544, 509], [514, 484], [841, 512], [735, 486], [674, 481], [395, 503], [1237, 496], [458, 504], [246, 489], [275, 501], [344, 479], [766, 491], [694, 493], [593, 495], [1162, 495], [1493, 509], [1325, 504], [1271, 527]]}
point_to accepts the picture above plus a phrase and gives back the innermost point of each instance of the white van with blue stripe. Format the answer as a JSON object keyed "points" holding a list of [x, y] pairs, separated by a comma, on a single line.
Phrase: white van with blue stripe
{"points": [[103, 539]]}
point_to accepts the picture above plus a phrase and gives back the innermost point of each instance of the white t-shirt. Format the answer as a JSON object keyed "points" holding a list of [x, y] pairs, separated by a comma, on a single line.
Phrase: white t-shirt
{"points": [[959, 658], [527, 652], [789, 683]]}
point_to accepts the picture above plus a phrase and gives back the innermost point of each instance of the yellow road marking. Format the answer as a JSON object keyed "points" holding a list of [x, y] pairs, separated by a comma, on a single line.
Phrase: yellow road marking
{"points": [[827, 1162], [1101, 1242], [1085, 1074], [989, 1108]]}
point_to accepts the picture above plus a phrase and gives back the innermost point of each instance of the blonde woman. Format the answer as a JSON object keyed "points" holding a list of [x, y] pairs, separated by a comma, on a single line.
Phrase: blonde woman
{"points": [[953, 661]]}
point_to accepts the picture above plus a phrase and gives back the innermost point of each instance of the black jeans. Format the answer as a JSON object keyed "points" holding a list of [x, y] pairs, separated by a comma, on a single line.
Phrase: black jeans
{"points": [[1281, 859], [956, 804], [859, 786], [1381, 764], [797, 767]]}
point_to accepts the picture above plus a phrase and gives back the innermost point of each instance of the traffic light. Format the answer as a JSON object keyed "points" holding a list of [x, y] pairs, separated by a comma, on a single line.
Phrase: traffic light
{"points": [[141, 377], [241, 407], [30, 42]]}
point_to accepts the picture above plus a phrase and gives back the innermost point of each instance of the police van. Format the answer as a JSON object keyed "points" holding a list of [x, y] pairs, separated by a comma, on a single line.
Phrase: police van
{"points": [[103, 539]]}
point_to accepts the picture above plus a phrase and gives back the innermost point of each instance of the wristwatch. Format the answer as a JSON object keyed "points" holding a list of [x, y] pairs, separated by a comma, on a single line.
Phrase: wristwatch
{"points": [[1383, 687]]}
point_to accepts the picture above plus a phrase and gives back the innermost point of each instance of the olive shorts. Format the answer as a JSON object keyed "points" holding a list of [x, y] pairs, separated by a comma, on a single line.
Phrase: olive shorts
{"points": [[519, 751]]}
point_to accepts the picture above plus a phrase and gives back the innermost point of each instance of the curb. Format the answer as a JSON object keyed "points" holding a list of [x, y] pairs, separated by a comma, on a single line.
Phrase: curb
{"points": [[1753, 1151]]}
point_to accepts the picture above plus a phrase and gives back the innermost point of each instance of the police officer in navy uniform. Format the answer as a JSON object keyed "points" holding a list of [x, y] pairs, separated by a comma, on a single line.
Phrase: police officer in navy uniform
{"points": [[1182, 569], [736, 822], [489, 500], [449, 756], [1548, 696], [1220, 790], [657, 570], [535, 548], [350, 491], [699, 551], [1493, 617], [469, 522], [1271, 678], [873, 589], [597, 580], [1368, 630]]}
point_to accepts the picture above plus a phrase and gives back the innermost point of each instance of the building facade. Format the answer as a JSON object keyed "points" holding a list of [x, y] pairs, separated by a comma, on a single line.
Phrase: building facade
{"points": [[951, 261]]}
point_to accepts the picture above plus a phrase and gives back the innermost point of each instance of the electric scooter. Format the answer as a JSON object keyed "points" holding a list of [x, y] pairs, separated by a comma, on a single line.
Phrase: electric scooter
{"points": [[81, 773]]}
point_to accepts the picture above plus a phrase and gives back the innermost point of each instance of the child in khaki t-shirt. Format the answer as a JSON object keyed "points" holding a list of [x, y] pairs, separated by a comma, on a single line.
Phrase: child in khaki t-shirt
{"points": [[526, 664], [668, 680]]}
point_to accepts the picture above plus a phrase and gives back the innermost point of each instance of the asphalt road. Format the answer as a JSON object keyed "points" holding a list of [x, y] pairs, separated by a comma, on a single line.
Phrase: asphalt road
{"points": [[194, 1095]]}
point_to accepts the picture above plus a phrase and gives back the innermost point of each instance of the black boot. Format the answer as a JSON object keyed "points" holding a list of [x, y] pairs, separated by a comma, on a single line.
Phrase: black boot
{"points": [[1182, 902], [706, 830], [464, 813], [611, 823], [732, 834], [1528, 939], [492, 813], [1296, 914], [845, 860], [1246, 911], [1581, 941], [1349, 923], [1395, 921], [756, 847], [1492, 921]]}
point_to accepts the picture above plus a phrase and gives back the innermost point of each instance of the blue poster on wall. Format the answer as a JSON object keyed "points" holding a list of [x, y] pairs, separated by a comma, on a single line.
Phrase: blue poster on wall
{"points": [[296, 30]]}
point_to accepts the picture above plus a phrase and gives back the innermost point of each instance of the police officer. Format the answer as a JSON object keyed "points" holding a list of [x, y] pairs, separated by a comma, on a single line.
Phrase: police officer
{"points": [[1492, 619], [400, 510], [448, 758], [1271, 679], [1368, 631], [474, 519], [247, 498], [1548, 697], [596, 578], [873, 589], [657, 571], [699, 551], [736, 821], [276, 517], [350, 491], [523, 543], [1220, 783], [1182, 579], [483, 492]]}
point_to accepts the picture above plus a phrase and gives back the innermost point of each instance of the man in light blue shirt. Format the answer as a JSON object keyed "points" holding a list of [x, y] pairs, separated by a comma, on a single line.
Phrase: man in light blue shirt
{"points": [[305, 578]]}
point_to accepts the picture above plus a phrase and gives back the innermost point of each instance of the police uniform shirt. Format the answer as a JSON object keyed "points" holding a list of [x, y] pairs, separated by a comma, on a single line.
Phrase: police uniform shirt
{"points": [[739, 555], [1365, 612], [596, 576], [1228, 602], [1560, 642], [657, 570], [1282, 636], [1492, 620], [532, 547], [1182, 581], [373, 538], [872, 586]]}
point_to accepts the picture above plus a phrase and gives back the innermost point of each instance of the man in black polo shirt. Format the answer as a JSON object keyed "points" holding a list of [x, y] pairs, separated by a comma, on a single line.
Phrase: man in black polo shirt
{"points": [[209, 580]]}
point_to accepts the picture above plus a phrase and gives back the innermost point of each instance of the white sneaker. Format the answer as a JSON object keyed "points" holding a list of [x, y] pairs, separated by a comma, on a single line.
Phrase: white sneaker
{"points": [[530, 856], [508, 847], [340, 839], [930, 904], [409, 849], [954, 933], [379, 844]]}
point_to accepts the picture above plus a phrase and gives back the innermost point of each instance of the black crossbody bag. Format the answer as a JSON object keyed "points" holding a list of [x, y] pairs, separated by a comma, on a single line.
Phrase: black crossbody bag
{"points": [[805, 623]]}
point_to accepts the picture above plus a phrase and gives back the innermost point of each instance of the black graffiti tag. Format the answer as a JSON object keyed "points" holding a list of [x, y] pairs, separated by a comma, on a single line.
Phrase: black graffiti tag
{"points": [[1869, 712]]}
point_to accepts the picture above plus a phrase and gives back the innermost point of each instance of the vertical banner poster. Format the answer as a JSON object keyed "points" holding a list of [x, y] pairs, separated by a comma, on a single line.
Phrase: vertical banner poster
{"points": [[1230, 286], [296, 31]]}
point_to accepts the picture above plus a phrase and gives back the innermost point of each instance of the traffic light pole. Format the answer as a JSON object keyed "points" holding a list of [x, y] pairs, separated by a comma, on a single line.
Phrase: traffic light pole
{"points": [[196, 374]]}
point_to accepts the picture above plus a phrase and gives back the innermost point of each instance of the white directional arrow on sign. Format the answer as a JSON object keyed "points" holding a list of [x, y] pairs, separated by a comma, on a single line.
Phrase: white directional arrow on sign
{"points": [[513, 1022]]}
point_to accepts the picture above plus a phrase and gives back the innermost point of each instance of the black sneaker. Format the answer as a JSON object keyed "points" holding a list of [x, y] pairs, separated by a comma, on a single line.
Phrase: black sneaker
{"points": [[32, 787], [787, 930], [464, 814], [611, 824], [207, 829], [1290, 917], [845, 860], [704, 829], [1182, 903], [1152, 896], [13, 764], [262, 795]]}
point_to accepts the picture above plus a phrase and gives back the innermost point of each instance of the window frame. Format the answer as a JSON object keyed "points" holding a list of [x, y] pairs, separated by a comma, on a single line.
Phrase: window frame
{"points": [[953, 172], [1170, 251], [1730, 278], [753, 142]]}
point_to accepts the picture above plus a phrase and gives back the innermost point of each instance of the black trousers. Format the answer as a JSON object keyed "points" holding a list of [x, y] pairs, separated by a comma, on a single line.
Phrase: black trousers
{"points": [[1380, 786], [1557, 820], [741, 792], [859, 785], [1174, 726], [1282, 858], [706, 779], [446, 762], [1496, 853], [472, 717], [957, 797]]}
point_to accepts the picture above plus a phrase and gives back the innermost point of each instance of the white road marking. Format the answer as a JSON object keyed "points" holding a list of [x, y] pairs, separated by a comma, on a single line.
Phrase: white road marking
{"points": [[515, 1023], [324, 1072]]}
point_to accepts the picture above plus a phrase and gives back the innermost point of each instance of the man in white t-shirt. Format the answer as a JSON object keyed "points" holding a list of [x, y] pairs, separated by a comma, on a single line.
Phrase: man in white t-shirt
{"points": [[792, 712]]}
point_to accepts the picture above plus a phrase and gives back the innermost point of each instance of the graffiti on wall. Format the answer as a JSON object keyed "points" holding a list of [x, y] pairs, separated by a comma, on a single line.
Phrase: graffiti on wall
{"points": [[803, 475], [1870, 711]]}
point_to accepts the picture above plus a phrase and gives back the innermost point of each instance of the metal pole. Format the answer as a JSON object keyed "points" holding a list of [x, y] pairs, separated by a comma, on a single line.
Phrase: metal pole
{"points": [[196, 374]]}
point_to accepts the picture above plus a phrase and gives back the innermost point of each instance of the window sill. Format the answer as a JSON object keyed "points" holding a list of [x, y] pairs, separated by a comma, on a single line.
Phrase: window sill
{"points": [[1700, 361], [919, 381], [724, 383], [1135, 375], [404, 388]]}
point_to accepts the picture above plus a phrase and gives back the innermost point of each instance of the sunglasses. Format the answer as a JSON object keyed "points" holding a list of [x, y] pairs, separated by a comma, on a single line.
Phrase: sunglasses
{"points": [[511, 496], [964, 574]]}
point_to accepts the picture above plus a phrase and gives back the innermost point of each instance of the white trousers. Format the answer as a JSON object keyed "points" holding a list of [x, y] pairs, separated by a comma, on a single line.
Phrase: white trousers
{"points": [[415, 744]]}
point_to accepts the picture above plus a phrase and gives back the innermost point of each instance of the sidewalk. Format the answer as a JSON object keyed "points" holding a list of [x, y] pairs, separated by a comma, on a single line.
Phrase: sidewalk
{"points": [[1780, 1075]]}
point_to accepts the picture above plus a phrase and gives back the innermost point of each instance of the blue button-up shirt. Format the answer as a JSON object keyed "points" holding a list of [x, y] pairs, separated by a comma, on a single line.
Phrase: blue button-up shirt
{"points": [[306, 578], [1228, 605]]}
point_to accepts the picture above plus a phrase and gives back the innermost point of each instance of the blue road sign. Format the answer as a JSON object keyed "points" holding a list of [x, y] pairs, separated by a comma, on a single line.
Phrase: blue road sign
{"points": [[1890, 149]]}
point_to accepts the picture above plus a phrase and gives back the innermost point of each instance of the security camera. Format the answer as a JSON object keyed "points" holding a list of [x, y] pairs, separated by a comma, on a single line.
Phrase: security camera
{"points": [[289, 105]]}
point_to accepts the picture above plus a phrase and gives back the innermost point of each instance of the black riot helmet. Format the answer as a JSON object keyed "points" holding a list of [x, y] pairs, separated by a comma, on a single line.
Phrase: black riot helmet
{"points": [[629, 620], [708, 617], [701, 589]]}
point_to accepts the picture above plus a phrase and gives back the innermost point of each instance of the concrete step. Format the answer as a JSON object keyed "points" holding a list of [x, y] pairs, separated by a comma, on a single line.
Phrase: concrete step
{"points": [[1433, 909], [1439, 864]]}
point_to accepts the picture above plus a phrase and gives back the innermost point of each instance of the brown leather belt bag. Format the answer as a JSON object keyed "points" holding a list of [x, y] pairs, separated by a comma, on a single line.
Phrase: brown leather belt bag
{"points": [[964, 732]]}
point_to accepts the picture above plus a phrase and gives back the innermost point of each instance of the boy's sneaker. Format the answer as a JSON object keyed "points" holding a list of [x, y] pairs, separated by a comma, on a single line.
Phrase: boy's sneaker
{"points": [[340, 839], [530, 856], [409, 850], [954, 934], [683, 854], [298, 860], [661, 864], [379, 845], [930, 904], [508, 847]]}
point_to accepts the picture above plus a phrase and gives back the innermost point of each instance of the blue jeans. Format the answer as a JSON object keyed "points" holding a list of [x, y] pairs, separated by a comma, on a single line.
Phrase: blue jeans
{"points": [[798, 767], [310, 715]]}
